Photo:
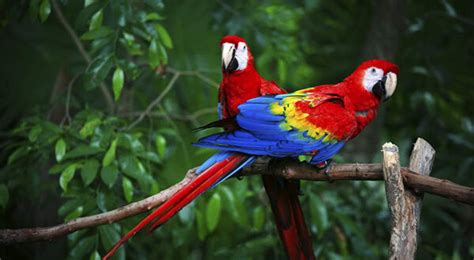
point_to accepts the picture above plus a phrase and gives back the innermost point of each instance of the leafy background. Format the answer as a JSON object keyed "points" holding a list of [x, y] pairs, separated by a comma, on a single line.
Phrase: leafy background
{"points": [[98, 98]]}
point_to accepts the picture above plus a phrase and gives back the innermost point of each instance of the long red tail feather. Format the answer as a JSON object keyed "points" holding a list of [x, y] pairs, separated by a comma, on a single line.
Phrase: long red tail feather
{"points": [[283, 196], [191, 196], [183, 197]]}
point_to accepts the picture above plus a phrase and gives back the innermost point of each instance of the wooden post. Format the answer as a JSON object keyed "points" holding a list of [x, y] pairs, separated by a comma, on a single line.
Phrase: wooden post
{"points": [[404, 204]]}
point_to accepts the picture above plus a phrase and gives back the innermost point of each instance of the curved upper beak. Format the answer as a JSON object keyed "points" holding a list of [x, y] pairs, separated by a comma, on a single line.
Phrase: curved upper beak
{"points": [[385, 88], [229, 62]]}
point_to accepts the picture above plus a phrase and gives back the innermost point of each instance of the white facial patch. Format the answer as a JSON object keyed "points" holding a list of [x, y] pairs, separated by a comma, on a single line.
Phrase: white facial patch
{"points": [[371, 77], [242, 56]]}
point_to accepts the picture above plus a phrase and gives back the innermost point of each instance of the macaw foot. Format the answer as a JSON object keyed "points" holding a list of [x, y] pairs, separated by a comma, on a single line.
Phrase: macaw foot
{"points": [[324, 167]]}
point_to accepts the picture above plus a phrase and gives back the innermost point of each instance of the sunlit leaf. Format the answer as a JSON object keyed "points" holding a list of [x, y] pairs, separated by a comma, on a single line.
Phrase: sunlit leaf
{"points": [[109, 156], [74, 214], [96, 20], [89, 127], [153, 17], [117, 82], [95, 256], [164, 36], [66, 176], [44, 10], [60, 149], [160, 142], [127, 188]]}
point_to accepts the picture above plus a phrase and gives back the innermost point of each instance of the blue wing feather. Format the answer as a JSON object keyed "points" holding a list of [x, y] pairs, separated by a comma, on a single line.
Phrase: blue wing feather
{"points": [[261, 134]]}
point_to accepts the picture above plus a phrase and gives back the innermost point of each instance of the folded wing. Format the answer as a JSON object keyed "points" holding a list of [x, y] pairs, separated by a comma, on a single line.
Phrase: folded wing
{"points": [[289, 125]]}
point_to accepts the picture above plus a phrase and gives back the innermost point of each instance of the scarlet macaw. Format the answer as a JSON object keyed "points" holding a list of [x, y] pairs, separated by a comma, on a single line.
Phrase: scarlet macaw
{"points": [[313, 123]]}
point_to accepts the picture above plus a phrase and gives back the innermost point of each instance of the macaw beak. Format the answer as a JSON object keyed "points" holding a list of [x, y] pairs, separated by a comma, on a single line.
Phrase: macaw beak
{"points": [[229, 62], [385, 87]]}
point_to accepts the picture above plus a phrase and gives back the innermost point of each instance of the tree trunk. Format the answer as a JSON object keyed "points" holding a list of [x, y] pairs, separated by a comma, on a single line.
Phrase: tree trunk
{"points": [[382, 43]]}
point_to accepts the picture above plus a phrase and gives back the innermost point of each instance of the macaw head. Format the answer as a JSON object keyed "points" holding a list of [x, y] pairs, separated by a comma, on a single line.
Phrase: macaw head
{"points": [[236, 54], [378, 77]]}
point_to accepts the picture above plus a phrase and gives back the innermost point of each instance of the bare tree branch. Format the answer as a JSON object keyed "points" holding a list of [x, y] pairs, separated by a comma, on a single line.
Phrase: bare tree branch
{"points": [[289, 169]]}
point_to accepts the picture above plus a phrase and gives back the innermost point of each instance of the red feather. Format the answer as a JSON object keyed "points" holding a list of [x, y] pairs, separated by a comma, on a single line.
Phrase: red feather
{"points": [[236, 88], [181, 198]]}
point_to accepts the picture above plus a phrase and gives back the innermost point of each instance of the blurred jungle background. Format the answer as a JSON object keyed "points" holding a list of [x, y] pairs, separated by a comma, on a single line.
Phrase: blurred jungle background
{"points": [[98, 99]]}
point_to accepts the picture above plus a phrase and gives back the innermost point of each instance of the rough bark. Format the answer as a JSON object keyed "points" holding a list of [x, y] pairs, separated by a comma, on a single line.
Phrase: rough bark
{"points": [[405, 204], [288, 169]]}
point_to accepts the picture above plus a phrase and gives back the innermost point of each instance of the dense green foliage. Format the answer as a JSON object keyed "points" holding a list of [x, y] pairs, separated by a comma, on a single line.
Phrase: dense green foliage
{"points": [[101, 115]]}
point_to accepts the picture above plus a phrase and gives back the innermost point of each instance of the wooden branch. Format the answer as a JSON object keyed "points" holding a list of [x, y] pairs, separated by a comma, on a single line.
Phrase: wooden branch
{"points": [[421, 161], [289, 169], [8, 236], [405, 205], [395, 191]]}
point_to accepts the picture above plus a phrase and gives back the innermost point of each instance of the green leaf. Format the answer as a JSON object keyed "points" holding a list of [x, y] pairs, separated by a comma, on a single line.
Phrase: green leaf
{"points": [[100, 67], [60, 149], [45, 10], [160, 143], [258, 218], [95, 256], [85, 15], [150, 156], [109, 175], [164, 36], [66, 176], [84, 247], [153, 55], [109, 235], [100, 32], [110, 154], [89, 171], [81, 151], [96, 20], [89, 127], [17, 154], [34, 133], [213, 212], [4, 195], [132, 167], [153, 17], [127, 188], [319, 214], [70, 205], [117, 82], [74, 214], [163, 54], [201, 225]]}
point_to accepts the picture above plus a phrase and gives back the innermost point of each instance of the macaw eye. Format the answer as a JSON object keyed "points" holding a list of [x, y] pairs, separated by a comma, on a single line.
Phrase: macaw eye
{"points": [[373, 71], [245, 47]]}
